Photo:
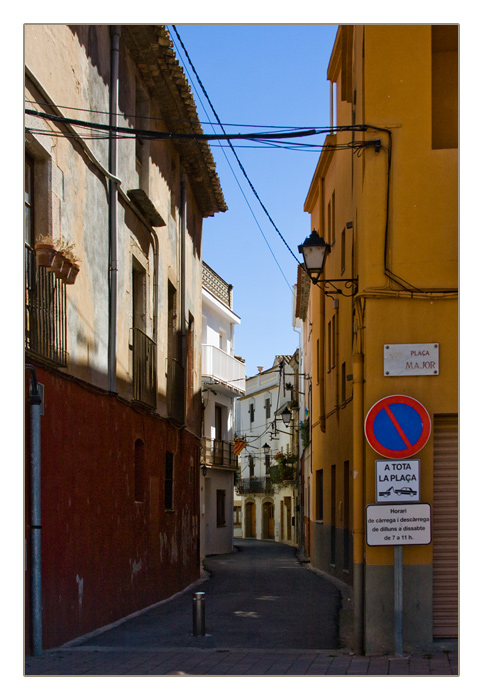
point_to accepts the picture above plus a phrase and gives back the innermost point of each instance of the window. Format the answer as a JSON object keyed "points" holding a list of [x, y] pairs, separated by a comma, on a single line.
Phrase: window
{"points": [[237, 516], [444, 85], [333, 491], [251, 411], [267, 408], [220, 508], [45, 294], [319, 494], [142, 145], [331, 220], [329, 345], [144, 348], [139, 470], [169, 481], [251, 465], [342, 252], [332, 342], [175, 372]]}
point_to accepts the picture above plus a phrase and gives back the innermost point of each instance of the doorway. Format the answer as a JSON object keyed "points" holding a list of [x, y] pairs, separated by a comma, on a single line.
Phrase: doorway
{"points": [[268, 521], [250, 520]]}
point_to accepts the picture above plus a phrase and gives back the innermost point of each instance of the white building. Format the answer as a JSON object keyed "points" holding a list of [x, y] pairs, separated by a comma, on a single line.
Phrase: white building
{"points": [[223, 380], [267, 419]]}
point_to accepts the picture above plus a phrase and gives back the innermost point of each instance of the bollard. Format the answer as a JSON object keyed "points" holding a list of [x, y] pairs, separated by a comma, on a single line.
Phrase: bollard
{"points": [[198, 614]]}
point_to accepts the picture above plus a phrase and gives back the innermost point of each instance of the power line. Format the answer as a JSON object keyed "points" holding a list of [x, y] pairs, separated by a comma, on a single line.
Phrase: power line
{"points": [[233, 150], [167, 135]]}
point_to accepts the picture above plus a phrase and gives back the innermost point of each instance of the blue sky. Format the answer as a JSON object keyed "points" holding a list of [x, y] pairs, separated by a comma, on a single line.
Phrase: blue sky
{"points": [[260, 75]]}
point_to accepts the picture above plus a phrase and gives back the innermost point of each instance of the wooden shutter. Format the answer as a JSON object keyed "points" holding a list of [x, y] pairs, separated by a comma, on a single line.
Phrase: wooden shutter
{"points": [[445, 526]]}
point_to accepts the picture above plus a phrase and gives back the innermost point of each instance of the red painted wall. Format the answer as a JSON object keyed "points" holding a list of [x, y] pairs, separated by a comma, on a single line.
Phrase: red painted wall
{"points": [[104, 555]]}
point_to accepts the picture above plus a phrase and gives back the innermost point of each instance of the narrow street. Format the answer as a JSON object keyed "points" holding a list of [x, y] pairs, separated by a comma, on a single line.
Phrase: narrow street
{"points": [[258, 597], [266, 614]]}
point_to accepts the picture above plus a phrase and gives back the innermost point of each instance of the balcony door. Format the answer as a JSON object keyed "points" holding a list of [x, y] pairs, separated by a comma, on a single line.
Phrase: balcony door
{"points": [[218, 446]]}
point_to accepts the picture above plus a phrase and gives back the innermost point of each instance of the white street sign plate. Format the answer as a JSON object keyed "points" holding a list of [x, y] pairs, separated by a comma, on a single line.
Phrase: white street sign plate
{"points": [[397, 481], [398, 524], [411, 359]]}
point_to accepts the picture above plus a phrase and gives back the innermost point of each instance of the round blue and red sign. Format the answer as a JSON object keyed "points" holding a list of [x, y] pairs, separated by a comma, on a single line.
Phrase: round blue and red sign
{"points": [[397, 427]]}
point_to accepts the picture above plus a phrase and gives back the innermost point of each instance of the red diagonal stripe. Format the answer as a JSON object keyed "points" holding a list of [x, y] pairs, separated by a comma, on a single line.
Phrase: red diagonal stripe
{"points": [[397, 426]]}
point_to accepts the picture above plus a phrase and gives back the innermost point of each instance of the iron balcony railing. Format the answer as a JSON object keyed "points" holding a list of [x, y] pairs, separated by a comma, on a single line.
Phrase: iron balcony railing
{"points": [[254, 484], [144, 368], [45, 312], [222, 367], [218, 453]]}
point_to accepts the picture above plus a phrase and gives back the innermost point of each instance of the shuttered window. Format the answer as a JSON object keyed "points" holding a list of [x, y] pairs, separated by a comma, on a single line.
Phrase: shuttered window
{"points": [[445, 526]]}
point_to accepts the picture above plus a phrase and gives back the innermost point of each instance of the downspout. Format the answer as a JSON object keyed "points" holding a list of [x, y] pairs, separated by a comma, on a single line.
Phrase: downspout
{"points": [[358, 500], [113, 273], [35, 401], [183, 206]]}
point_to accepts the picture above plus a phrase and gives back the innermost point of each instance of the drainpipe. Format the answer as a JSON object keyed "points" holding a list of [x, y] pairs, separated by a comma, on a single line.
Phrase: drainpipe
{"points": [[183, 207], [35, 401], [113, 111], [358, 501]]}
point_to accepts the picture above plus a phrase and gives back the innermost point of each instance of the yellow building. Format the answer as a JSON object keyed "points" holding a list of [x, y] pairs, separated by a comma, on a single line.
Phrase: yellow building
{"points": [[384, 197]]}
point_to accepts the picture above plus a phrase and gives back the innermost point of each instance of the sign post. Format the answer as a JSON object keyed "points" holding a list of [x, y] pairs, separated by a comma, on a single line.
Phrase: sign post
{"points": [[398, 525], [398, 600], [397, 427]]}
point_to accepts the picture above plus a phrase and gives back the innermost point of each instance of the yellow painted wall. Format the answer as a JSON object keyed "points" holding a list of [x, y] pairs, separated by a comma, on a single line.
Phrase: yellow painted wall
{"points": [[384, 79]]}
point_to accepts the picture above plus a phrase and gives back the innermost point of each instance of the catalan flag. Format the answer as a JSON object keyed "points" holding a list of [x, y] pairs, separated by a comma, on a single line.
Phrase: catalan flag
{"points": [[239, 444]]}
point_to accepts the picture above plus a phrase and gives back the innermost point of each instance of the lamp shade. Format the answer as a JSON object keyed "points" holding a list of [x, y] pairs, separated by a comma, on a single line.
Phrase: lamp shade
{"points": [[314, 250], [286, 416]]}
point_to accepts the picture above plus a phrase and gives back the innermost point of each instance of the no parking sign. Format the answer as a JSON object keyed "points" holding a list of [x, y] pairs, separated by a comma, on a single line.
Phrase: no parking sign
{"points": [[397, 427]]}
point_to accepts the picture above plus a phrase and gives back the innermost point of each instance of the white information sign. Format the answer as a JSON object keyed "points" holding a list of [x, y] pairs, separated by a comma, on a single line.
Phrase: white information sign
{"points": [[398, 524], [397, 481], [411, 359]]}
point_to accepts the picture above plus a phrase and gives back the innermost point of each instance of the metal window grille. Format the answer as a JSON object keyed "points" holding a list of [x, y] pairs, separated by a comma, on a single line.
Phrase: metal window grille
{"points": [[144, 368], [45, 312]]}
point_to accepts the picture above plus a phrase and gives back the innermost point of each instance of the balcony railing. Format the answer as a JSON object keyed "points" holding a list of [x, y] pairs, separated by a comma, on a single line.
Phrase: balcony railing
{"points": [[222, 367], [144, 368], [45, 312], [254, 484], [218, 453]]}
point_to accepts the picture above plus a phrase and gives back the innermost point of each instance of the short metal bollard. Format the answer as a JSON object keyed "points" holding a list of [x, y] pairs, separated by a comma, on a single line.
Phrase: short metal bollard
{"points": [[198, 614]]}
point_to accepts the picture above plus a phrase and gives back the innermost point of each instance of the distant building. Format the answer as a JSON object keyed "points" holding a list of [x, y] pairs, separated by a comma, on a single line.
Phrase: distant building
{"points": [[267, 488], [223, 381], [114, 340]]}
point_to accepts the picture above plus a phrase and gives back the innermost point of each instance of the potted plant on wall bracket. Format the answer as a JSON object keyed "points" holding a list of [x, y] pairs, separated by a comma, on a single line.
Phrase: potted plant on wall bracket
{"points": [[45, 251], [58, 258], [70, 263]]}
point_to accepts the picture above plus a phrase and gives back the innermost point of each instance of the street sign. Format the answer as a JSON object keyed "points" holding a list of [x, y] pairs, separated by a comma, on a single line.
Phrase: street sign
{"points": [[398, 524], [411, 359], [397, 482], [397, 427]]}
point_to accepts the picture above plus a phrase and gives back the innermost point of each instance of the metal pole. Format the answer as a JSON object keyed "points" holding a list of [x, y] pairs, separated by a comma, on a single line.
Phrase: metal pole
{"points": [[198, 614], [35, 517], [398, 600], [113, 194]]}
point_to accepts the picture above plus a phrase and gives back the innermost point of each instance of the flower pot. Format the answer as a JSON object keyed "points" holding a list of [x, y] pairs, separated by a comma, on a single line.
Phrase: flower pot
{"points": [[63, 271], [72, 274], [44, 254], [57, 263]]}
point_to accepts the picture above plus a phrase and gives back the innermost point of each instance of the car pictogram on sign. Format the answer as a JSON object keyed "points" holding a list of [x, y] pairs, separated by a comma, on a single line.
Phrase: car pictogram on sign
{"points": [[406, 491]]}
